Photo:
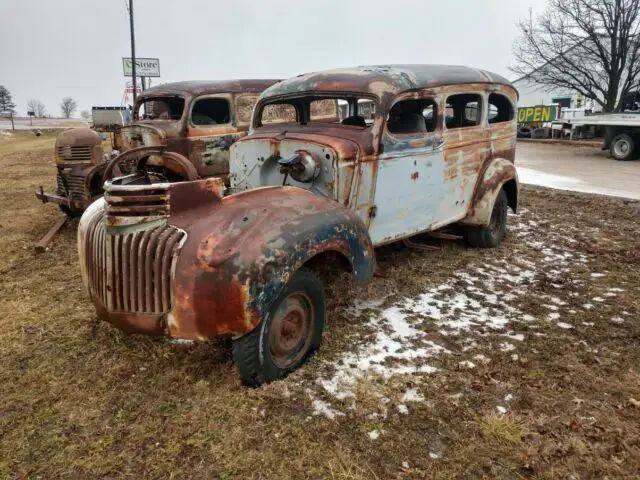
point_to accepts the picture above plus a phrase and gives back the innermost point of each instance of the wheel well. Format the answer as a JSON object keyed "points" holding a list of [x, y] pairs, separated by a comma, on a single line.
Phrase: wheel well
{"points": [[329, 265], [511, 190]]}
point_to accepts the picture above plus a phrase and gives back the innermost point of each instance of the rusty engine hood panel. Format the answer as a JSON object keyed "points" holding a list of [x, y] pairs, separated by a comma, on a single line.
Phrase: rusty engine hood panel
{"points": [[343, 139], [147, 134]]}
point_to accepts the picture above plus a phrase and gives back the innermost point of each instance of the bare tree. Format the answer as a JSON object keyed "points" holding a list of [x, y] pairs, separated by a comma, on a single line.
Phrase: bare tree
{"points": [[6, 101], [68, 106], [85, 114], [37, 107], [588, 46]]}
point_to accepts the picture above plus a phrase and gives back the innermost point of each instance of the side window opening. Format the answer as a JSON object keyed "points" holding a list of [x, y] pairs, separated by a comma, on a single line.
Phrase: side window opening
{"points": [[412, 116], [500, 109], [463, 110], [211, 111]]}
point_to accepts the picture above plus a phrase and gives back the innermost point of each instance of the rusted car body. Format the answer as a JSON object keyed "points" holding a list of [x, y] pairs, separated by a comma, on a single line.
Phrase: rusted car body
{"points": [[306, 188], [196, 120]]}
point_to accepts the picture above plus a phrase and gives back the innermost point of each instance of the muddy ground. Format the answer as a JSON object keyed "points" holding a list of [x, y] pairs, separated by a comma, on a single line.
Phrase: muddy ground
{"points": [[520, 362]]}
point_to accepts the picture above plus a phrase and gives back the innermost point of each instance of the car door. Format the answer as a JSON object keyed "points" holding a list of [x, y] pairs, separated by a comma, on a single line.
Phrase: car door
{"points": [[409, 175], [212, 127], [466, 146]]}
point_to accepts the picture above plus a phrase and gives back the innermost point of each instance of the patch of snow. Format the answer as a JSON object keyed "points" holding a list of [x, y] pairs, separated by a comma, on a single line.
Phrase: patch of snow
{"points": [[554, 316], [374, 434], [433, 456], [566, 326], [588, 324], [617, 320], [412, 395], [403, 409], [598, 299], [481, 358], [320, 407], [597, 275], [507, 347], [405, 464], [508, 397], [514, 357], [466, 364], [587, 306], [501, 409]]}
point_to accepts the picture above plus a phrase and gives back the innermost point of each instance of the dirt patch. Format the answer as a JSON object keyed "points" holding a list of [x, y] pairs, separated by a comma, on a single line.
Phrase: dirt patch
{"points": [[520, 362]]}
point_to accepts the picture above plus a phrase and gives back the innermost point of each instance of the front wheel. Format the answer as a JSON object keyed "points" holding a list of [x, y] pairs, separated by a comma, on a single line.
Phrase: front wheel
{"points": [[491, 235], [287, 336], [622, 147]]}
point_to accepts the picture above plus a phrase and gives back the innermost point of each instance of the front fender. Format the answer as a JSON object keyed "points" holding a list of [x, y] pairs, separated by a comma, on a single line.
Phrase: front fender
{"points": [[238, 258], [499, 174]]}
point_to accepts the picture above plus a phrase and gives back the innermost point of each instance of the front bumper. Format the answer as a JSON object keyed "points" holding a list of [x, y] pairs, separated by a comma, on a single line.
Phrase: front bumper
{"points": [[55, 198]]}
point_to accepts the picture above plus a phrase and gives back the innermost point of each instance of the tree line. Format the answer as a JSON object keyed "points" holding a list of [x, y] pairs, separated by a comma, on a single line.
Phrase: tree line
{"points": [[68, 106]]}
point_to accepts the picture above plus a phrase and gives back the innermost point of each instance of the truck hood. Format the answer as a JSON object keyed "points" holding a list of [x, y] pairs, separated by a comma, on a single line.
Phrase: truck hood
{"points": [[147, 134], [345, 140]]}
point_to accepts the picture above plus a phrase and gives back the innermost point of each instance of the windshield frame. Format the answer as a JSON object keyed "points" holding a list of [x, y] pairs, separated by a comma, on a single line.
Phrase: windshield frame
{"points": [[151, 98], [296, 100]]}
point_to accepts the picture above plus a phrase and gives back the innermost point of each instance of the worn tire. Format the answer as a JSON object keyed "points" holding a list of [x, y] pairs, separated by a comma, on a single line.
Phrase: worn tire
{"points": [[253, 354], [71, 213], [622, 147], [491, 236]]}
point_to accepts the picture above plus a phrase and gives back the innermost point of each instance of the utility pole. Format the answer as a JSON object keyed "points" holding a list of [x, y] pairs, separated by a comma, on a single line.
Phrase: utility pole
{"points": [[133, 51]]}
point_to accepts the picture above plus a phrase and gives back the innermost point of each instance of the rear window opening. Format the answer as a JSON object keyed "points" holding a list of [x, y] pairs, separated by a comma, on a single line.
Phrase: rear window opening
{"points": [[463, 111], [160, 108], [351, 111], [500, 109], [211, 111]]}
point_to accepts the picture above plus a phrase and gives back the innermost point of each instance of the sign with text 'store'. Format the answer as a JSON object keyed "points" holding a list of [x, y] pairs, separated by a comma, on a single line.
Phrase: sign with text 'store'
{"points": [[537, 114], [145, 67]]}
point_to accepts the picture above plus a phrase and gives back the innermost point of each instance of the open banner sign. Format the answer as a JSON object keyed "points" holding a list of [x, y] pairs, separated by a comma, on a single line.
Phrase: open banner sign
{"points": [[537, 114]]}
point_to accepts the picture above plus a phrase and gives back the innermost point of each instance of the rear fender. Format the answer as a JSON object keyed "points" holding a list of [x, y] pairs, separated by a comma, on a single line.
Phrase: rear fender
{"points": [[500, 174], [237, 260]]}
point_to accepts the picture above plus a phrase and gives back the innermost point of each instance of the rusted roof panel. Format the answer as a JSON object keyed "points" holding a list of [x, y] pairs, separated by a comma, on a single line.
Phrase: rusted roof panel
{"points": [[203, 87], [384, 79]]}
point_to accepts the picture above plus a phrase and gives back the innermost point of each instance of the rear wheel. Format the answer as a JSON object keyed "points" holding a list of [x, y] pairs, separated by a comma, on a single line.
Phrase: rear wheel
{"points": [[622, 147], [288, 334], [491, 236]]}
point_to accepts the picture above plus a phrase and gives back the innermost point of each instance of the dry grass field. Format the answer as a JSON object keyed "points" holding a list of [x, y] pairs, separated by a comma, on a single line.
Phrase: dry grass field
{"points": [[520, 362]]}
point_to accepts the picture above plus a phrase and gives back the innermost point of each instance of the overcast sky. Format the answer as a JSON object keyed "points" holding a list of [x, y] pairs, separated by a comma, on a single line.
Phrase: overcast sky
{"points": [[50, 49]]}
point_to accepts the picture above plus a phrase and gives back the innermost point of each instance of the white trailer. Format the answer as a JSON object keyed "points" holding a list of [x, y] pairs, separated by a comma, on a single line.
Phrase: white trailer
{"points": [[622, 137]]}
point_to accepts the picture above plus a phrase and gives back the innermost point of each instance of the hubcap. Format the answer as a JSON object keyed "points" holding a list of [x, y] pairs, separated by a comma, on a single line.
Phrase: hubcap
{"points": [[621, 148], [291, 330]]}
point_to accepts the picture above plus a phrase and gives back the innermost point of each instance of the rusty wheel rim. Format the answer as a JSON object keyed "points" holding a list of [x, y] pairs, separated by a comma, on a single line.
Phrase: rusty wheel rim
{"points": [[291, 330]]}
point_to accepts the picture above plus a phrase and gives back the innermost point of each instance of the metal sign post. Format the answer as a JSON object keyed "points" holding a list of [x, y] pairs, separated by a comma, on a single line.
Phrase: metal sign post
{"points": [[133, 50]]}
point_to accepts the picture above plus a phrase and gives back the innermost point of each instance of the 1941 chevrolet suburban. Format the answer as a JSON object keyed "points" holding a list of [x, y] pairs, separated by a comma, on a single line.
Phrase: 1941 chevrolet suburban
{"points": [[410, 149], [196, 121]]}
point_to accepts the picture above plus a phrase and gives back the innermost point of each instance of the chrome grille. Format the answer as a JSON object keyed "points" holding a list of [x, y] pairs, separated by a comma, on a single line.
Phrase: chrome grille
{"points": [[75, 153], [61, 188], [132, 272], [77, 189], [127, 201]]}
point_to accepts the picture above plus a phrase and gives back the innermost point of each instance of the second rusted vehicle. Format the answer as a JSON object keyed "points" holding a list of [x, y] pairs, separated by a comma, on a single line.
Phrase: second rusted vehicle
{"points": [[181, 131], [337, 163]]}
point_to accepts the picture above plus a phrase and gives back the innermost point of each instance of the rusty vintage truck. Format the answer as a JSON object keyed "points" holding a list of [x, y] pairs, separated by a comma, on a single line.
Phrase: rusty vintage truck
{"points": [[193, 122], [199, 260]]}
